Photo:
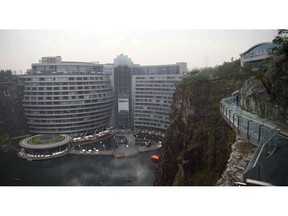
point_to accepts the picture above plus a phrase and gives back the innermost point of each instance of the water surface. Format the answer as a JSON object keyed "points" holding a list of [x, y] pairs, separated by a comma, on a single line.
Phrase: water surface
{"points": [[78, 170]]}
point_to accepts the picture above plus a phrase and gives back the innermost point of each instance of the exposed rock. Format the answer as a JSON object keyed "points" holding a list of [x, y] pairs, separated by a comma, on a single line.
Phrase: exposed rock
{"points": [[255, 99], [11, 109], [197, 145], [242, 152]]}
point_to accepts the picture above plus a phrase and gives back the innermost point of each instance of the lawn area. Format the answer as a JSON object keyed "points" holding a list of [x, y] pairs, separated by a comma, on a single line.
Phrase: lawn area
{"points": [[46, 139]]}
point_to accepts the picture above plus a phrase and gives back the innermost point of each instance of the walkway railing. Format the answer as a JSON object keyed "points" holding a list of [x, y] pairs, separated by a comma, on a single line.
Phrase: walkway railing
{"points": [[245, 124], [270, 159]]}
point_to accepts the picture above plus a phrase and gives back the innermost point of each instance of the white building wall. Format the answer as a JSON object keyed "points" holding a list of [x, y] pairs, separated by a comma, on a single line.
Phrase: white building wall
{"points": [[152, 99]]}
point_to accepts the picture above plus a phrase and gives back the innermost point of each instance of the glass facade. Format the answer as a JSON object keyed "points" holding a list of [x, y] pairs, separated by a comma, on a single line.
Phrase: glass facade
{"points": [[256, 55], [123, 92], [267, 48], [156, 70], [66, 68]]}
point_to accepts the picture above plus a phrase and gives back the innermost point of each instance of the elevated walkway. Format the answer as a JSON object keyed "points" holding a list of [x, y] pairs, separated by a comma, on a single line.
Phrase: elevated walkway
{"points": [[270, 159]]}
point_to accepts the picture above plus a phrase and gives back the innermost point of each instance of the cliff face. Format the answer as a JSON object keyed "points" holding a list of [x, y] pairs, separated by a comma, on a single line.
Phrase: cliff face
{"points": [[254, 98], [12, 117], [241, 154], [197, 145]]}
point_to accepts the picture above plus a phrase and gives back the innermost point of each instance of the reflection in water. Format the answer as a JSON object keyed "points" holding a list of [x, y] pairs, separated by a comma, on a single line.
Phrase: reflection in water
{"points": [[78, 170]]}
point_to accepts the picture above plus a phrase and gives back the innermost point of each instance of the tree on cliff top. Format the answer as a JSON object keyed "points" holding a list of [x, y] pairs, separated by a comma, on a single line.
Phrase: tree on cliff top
{"points": [[282, 40], [274, 74]]}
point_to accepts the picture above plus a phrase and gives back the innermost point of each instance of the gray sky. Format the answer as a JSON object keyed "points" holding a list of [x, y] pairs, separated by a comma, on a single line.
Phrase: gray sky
{"points": [[20, 48]]}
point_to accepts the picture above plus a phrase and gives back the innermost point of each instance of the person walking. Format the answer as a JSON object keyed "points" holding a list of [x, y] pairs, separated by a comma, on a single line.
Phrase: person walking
{"points": [[237, 99]]}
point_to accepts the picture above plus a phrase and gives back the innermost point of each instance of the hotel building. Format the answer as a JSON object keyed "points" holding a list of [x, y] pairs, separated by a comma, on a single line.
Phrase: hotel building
{"points": [[81, 97], [66, 97], [152, 94], [144, 94]]}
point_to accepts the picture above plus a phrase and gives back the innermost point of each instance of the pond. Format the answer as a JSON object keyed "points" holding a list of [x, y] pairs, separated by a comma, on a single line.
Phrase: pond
{"points": [[78, 170]]}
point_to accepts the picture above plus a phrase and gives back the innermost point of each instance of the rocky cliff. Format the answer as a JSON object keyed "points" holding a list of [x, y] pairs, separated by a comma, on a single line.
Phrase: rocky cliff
{"points": [[242, 152], [197, 145], [254, 98], [266, 93], [12, 119]]}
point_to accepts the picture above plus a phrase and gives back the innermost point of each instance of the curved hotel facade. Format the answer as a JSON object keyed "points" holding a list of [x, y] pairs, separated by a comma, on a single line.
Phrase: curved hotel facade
{"points": [[80, 97], [66, 97]]}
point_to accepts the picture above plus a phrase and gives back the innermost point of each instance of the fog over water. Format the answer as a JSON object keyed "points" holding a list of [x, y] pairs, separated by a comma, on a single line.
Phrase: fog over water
{"points": [[78, 170]]}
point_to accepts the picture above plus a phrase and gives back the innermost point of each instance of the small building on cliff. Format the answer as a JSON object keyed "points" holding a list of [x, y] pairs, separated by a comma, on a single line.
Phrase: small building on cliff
{"points": [[257, 54]]}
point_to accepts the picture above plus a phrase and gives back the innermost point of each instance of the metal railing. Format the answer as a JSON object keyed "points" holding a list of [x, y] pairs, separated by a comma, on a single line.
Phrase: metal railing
{"points": [[268, 162], [245, 124]]}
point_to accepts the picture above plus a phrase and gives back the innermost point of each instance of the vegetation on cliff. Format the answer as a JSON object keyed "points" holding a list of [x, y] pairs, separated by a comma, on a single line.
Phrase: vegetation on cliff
{"points": [[273, 76], [12, 120], [197, 144]]}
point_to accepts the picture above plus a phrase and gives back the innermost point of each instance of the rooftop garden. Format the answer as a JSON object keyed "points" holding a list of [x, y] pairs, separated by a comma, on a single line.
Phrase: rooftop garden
{"points": [[46, 139]]}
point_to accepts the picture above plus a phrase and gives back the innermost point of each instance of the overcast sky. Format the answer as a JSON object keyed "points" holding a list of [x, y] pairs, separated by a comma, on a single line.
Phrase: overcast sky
{"points": [[20, 48]]}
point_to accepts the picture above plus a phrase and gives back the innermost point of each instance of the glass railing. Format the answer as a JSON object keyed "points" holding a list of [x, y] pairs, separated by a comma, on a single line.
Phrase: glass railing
{"points": [[247, 125], [259, 151], [269, 162]]}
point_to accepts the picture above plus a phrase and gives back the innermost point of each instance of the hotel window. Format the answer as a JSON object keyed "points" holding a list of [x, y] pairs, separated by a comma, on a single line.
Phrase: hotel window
{"points": [[60, 68], [82, 68], [71, 68]]}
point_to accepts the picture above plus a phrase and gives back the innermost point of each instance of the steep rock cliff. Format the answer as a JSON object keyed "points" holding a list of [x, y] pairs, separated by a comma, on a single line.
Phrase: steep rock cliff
{"points": [[12, 117], [254, 98], [242, 152], [197, 145]]}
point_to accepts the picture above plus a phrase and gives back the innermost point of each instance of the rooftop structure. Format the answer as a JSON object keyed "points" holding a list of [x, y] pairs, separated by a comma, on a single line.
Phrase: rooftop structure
{"points": [[41, 147], [257, 54]]}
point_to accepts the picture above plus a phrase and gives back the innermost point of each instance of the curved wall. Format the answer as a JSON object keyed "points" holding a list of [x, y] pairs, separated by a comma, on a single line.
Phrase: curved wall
{"points": [[67, 103]]}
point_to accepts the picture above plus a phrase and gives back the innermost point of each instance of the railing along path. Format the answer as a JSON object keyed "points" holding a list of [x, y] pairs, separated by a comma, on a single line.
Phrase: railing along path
{"points": [[265, 136]]}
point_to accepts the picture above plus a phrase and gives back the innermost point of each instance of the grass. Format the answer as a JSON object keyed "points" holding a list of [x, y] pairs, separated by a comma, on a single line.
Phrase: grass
{"points": [[46, 139]]}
